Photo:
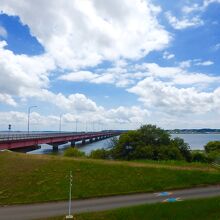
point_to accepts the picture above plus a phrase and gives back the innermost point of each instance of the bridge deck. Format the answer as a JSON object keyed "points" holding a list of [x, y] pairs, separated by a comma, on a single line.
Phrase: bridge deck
{"points": [[15, 141]]}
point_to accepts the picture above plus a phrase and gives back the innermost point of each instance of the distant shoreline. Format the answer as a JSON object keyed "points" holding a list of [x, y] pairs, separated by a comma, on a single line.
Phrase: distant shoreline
{"points": [[171, 132]]}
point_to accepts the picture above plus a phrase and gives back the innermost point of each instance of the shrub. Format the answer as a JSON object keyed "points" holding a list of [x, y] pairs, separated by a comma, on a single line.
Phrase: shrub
{"points": [[213, 156], [212, 146], [199, 157], [73, 152], [100, 154], [140, 152], [169, 153]]}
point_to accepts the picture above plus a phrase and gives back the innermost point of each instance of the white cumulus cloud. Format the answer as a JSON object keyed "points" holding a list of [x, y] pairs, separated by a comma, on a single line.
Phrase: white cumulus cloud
{"points": [[3, 32], [168, 56], [171, 99], [84, 33], [183, 23]]}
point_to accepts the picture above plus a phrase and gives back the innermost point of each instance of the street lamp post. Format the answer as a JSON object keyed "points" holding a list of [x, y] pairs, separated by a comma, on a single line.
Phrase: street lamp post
{"points": [[76, 124], [69, 216], [60, 123], [29, 111], [93, 127], [86, 126]]}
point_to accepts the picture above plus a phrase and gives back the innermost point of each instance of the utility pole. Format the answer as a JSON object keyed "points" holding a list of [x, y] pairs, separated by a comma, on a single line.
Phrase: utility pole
{"points": [[86, 126], [60, 125], [93, 129], [69, 216], [29, 111], [76, 124]]}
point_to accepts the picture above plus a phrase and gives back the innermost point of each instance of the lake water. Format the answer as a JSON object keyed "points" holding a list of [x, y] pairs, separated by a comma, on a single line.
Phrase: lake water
{"points": [[196, 142], [87, 148]]}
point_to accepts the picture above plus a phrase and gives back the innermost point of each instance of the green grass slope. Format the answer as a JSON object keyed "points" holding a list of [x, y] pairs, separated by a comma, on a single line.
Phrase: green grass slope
{"points": [[37, 178]]}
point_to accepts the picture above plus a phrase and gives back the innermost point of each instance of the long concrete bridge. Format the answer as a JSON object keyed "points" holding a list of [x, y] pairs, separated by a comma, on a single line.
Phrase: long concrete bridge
{"points": [[33, 140]]}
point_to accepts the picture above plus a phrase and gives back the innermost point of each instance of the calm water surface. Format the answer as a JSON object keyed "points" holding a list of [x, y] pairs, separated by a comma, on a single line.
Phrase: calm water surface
{"points": [[47, 149], [196, 142]]}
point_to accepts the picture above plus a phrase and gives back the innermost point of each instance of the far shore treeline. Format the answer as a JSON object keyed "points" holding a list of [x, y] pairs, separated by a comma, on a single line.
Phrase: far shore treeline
{"points": [[150, 142]]}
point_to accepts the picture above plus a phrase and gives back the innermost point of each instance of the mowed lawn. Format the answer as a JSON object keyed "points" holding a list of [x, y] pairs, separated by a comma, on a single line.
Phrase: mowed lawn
{"points": [[40, 178], [201, 209]]}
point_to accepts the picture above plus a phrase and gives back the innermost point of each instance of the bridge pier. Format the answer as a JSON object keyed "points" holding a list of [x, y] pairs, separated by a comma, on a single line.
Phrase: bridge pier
{"points": [[91, 140], [55, 147], [73, 143], [83, 141]]}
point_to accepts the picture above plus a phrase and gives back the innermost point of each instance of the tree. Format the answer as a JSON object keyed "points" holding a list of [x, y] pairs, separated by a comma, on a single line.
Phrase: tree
{"points": [[154, 136], [199, 157], [150, 142], [141, 152], [169, 153], [212, 146], [126, 144], [183, 147]]}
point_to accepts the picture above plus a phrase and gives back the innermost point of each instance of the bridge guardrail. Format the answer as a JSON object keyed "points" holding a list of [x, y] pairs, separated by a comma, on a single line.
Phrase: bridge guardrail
{"points": [[11, 137]]}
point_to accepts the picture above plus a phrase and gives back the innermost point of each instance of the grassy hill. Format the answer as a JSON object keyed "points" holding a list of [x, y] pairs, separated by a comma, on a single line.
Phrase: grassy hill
{"points": [[40, 178]]}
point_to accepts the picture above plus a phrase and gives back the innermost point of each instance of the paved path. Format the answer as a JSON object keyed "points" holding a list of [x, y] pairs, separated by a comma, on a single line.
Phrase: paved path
{"points": [[36, 211]]}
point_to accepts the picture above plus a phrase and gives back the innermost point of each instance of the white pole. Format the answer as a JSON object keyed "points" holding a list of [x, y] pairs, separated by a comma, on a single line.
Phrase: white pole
{"points": [[29, 111], [70, 193], [93, 128], [69, 216], [86, 126], [60, 122], [76, 124]]}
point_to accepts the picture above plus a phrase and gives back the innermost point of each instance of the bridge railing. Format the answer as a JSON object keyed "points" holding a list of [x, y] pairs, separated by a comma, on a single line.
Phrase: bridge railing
{"points": [[21, 136]]}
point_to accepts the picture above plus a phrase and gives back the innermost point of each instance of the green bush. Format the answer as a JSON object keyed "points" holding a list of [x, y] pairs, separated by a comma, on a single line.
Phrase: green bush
{"points": [[169, 153], [199, 157], [212, 146], [214, 156], [73, 152], [142, 152], [100, 154]]}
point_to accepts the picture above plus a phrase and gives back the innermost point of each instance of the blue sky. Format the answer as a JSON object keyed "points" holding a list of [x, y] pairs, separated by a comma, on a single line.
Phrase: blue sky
{"points": [[117, 64]]}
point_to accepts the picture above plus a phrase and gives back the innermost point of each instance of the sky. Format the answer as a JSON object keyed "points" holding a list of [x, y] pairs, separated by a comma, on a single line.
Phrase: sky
{"points": [[109, 64]]}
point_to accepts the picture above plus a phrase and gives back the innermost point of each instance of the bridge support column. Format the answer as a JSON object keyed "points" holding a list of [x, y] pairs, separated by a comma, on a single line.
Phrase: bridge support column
{"points": [[83, 141], [55, 147], [91, 140], [73, 143]]}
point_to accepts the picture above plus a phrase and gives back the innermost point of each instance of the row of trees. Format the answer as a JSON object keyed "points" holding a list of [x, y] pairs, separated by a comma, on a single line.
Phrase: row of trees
{"points": [[148, 142], [152, 143]]}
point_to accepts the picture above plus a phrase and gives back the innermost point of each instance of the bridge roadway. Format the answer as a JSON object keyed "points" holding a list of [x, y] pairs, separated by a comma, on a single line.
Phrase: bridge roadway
{"points": [[17, 141]]}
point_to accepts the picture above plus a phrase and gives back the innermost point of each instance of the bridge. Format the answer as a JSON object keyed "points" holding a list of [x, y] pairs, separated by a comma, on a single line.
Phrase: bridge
{"points": [[22, 141]]}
